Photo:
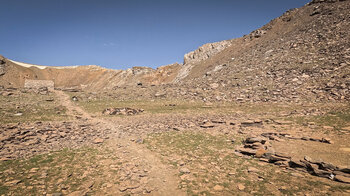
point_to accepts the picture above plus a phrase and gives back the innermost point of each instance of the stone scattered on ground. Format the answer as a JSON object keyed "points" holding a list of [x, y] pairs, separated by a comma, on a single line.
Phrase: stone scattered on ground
{"points": [[28, 139], [260, 148]]}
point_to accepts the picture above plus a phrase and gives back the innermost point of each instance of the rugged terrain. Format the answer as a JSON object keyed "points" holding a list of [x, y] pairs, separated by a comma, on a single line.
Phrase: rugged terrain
{"points": [[265, 114], [301, 55]]}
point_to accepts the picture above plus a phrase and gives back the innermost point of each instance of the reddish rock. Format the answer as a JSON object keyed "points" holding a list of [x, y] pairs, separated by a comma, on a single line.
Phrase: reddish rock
{"points": [[98, 141], [260, 153]]}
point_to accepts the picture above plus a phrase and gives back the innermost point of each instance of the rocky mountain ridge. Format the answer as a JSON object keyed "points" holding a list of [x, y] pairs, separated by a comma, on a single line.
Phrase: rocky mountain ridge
{"points": [[304, 54], [13, 74]]}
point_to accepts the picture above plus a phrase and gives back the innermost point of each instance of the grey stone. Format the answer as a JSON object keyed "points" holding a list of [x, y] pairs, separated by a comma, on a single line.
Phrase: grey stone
{"points": [[185, 170]]}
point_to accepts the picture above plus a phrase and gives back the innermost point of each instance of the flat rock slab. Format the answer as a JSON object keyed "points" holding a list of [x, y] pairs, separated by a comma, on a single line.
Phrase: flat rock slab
{"points": [[207, 125], [283, 122], [250, 123]]}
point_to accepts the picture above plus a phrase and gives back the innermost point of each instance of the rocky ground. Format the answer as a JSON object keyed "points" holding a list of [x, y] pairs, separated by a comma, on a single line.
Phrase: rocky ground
{"points": [[264, 114], [172, 147]]}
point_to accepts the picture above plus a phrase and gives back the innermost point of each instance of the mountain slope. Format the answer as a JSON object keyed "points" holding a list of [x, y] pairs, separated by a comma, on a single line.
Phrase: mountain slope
{"points": [[91, 77], [304, 54]]}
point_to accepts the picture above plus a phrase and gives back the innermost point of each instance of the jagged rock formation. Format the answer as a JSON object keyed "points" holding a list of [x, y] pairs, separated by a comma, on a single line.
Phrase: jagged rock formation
{"points": [[202, 53], [206, 51]]}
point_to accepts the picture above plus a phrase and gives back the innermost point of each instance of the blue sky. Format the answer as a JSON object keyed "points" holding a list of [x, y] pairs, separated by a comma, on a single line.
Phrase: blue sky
{"points": [[120, 34]]}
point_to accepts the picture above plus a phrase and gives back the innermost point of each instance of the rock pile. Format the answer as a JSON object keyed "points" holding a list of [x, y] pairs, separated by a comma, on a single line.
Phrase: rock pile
{"points": [[259, 147], [27, 139], [122, 111]]}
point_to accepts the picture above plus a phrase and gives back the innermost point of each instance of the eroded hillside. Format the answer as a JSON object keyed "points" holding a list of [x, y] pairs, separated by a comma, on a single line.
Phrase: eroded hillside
{"points": [[302, 54]]}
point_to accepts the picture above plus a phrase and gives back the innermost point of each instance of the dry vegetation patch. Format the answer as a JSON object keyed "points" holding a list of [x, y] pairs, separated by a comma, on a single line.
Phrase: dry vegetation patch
{"points": [[26, 106], [60, 171]]}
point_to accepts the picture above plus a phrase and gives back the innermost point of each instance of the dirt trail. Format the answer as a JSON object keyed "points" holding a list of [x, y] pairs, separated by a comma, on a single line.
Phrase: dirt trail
{"points": [[72, 109], [160, 180]]}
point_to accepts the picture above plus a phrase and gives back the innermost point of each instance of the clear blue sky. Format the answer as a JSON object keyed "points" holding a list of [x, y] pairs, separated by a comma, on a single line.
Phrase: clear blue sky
{"points": [[119, 34]]}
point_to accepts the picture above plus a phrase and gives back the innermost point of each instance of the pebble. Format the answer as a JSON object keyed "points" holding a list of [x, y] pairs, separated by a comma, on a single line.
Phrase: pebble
{"points": [[252, 170], [240, 187], [98, 141], [218, 188]]}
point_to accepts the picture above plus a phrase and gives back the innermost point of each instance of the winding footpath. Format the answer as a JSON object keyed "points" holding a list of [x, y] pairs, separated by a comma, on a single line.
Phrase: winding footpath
{"points": [[140, 171]]}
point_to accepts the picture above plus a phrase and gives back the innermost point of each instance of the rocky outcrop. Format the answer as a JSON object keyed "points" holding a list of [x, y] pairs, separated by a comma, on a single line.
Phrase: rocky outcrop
{"points": [[141, 70], [2, 65], [202, 53], [206, 51]]}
